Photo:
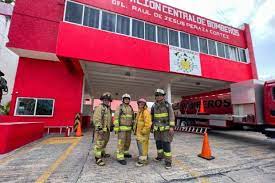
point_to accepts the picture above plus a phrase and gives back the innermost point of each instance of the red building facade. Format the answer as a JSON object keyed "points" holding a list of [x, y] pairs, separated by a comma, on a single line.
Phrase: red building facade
{"points": [[53, 36]]}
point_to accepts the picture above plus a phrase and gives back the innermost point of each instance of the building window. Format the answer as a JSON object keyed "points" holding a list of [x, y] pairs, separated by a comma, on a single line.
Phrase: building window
{"points": [[184, 40], [226, 50], [194, 43], [74, 12], [34, 107], [221, 50], [123, 25], [150, 32], [203, 45], [242, 55], [173, 38], [138, 28], [108, 21], [44, 107], [162, 35], [91, 17], [212, 47], [233, 53]]}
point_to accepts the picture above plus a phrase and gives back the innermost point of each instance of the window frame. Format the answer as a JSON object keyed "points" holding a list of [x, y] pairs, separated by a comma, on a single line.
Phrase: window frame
{"points": [[129, 25], [200, 46], [180, 37], [99, 17], [223, 48], [167, 29], [197, 43], [65, 11], [35, 107], [244, 54], [147, 23], [216, 47], [131, 28]]}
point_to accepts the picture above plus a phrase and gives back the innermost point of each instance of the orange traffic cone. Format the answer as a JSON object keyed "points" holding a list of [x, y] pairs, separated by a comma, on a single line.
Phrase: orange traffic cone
{"points": [[202, 107], [206, 151], [78, 131]]}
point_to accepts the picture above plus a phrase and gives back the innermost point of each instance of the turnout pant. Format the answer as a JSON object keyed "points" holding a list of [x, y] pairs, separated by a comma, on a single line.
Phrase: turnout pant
{"points": [[123, 144], [163, 142], [142, 145], [101, 140]]}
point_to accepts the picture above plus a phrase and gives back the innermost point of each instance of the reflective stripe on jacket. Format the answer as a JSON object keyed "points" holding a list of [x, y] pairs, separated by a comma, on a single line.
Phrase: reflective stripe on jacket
{"points": [[123, 118], [163, 119], [102, 117]]}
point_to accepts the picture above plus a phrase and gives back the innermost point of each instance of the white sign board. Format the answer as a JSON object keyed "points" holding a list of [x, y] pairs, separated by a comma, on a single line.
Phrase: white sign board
{"points": [[184, 61]]}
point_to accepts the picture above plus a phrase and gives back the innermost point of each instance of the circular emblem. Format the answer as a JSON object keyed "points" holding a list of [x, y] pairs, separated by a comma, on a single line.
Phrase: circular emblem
{"points": [[184, 62]]}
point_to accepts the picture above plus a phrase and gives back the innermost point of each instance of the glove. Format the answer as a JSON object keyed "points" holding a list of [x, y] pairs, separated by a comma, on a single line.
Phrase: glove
{"points": [[145, 131], [99, 130], [171, 131]]}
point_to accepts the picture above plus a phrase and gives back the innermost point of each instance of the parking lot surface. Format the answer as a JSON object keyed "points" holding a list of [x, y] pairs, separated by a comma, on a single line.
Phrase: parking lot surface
{"points": [[240, 156]]}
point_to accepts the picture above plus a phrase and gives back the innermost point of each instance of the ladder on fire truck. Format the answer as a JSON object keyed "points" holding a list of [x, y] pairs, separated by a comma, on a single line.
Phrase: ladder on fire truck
{"points": [[191, 128]]}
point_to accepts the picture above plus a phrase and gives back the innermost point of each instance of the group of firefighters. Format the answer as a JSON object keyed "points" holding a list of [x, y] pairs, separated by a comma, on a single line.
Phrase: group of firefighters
{"points": [[160, 121]]}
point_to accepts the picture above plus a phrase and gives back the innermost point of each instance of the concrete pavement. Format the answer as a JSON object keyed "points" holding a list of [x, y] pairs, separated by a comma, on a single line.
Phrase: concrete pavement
{"points": [[240, 157]]}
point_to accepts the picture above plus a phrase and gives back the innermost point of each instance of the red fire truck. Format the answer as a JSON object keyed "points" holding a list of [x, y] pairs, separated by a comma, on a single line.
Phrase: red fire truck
{"points": [[248, 103]]}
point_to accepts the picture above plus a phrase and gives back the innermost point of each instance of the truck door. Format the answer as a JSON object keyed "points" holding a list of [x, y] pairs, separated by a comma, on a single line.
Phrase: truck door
{"points": [[269, 103]]}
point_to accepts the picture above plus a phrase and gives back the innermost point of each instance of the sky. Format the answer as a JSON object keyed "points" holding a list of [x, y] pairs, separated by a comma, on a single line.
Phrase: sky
{"points": [[260, 14]]}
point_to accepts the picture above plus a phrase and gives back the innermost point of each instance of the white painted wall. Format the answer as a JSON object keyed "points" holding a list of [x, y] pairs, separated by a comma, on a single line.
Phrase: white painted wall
{"points": [[8, 59]]}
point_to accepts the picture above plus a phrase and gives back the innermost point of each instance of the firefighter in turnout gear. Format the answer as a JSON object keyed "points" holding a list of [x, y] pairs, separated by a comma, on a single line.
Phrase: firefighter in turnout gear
{"points": [[102, 120], [142, 131], [123, 126], [163, 127]]}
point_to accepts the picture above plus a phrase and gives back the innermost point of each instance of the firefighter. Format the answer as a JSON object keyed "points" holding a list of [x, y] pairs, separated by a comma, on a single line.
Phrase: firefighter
{"points": [[142, 131], [163, 127], [102, 119], [123, 126]]}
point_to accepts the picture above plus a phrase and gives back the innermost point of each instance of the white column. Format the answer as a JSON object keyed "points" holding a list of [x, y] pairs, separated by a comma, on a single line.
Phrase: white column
{"points": [[92, 103], [168, 93]]}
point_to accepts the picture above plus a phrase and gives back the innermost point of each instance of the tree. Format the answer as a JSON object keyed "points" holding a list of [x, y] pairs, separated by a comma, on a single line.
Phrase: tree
{"points": [[7, 1]]}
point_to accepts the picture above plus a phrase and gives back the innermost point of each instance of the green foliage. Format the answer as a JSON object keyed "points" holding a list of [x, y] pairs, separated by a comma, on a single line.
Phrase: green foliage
{"points": [[7, 1], [4, 110]]}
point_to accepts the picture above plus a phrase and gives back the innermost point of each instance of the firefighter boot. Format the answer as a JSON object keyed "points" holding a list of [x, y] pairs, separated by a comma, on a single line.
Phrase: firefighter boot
{"points": [[105, 155], [127, 155], [122, 162], [99, 162], [168, 165]]}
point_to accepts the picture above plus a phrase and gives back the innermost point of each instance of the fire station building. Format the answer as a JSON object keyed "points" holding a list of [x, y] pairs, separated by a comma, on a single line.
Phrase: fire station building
{"points": [[70, 51]]}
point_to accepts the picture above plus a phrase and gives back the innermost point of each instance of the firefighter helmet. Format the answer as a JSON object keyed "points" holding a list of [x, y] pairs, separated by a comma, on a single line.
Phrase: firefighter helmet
{"points": [[126, 95], [106, 95], [160, 92]]}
